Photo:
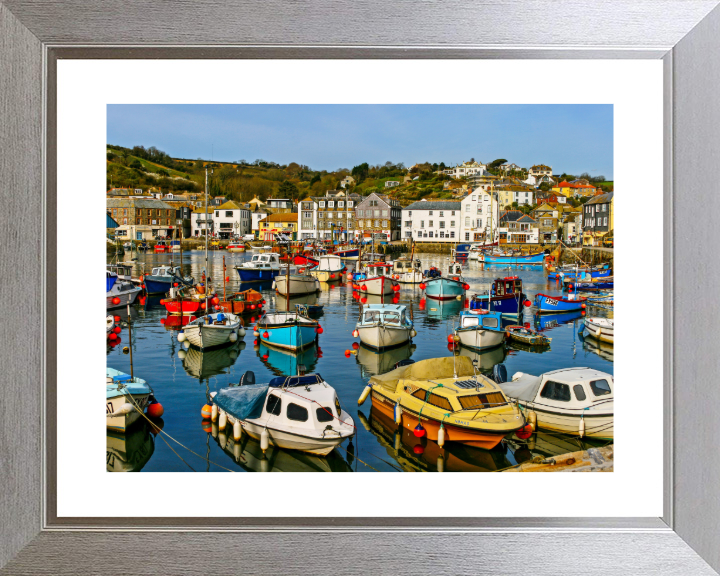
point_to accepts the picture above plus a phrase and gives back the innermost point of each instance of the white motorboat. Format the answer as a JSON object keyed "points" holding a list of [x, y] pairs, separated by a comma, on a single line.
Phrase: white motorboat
{"points": [[378, 279], [300, 284], [119, 293], [576, 401], [407, 271], [601, 328], [329, 269], [480, 329], [212, 330], [384, 325], [126, 398], [291, 412], [261, 268]]}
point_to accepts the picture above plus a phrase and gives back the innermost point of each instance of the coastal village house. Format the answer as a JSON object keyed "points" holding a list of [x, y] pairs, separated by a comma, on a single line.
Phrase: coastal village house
{"points": [[597, 219], [279, 204], [231, 220], [347, 181], [575, 188], [335, 215], [200, 223], [282, 223], [142, 218], [256, 217], [518, 228], [547, 217], [510, 168], [479, 216], [307, 218], [465, 169], [379, 216], [432, 221], [572, 227], [540, 170]]}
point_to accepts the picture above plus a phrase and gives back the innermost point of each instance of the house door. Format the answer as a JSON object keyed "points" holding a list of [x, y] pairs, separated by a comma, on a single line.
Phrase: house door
{"points": [[138, 235]]}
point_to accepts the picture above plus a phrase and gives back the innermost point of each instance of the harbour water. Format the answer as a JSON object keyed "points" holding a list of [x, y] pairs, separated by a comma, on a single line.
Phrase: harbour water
{"points": [[183, 377]]}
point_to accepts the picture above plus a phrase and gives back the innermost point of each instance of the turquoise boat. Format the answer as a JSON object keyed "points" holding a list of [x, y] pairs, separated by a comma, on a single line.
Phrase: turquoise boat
{"points": [[288, 330], [446, 287], [126, 398]]}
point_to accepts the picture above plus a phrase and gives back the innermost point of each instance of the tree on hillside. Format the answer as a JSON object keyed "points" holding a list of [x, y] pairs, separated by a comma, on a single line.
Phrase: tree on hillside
{"points": [[545, 186], [360, 172], [315, 178], [288, 190]]}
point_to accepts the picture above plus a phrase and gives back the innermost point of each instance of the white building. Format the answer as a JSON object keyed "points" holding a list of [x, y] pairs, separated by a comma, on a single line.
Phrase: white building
{"points": [[307, 218], [523, 197], [480, 214], [466, 169], [540, 170], [256, 217], [391, 183], [510, 168], [432, 221], [224, 221]]}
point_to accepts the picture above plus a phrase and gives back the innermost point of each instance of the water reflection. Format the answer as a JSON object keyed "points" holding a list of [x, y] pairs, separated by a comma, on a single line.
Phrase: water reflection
{"points": [[283, 362], [373, 362], [605, 350], [442, 309], [486, 359], [204, 364], [281, 303], [129, 452]]}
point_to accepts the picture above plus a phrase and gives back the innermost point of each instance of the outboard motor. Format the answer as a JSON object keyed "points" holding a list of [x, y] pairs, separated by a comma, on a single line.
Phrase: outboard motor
{"points": [[499, 373], [247, 379]]}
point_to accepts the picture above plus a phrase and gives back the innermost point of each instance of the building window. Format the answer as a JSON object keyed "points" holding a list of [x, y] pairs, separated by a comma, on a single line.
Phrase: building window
{"points": [[384, 223], [442, 223], [377, 223], [467, 207], [442, 234], [467, 235], [408, 223], [341, 204], [452, 234], [422, 223], [331, 204], [409, 213], [430, 224], [442, 214], [430, 214], [452, 223], [452, 213], [322, 204], [350, 203], [419, 233], [431, 234]]}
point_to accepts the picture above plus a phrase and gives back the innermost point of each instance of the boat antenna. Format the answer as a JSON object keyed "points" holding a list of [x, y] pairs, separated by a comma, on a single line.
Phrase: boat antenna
{"points": [[132, 374]]}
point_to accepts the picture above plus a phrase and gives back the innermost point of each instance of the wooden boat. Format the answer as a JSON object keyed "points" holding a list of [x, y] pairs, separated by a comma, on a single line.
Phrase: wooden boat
{"points": [[246, 302], [554, 304], [213, 330], [526, 335], [329, 269], [126, 398], [288, 330], [601, 328], [291, 412], [480, 329], [504, 296], [445, 400], [576, 401], [383, 326]]}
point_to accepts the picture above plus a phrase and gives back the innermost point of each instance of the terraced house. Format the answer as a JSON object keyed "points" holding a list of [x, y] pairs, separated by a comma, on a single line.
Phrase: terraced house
{"points": [[432, 221], [547, 217], [336, 215], [597, 219], [518, 228], [142, 218], [379, 215]]}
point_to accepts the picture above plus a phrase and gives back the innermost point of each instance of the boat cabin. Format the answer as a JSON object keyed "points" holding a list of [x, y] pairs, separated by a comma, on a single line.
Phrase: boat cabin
{"points": [[330, 263], [481, 319], [267, 260], [406, 265], [455, 269], [315, 408], [569, 388], [392, 314], [506, 286], [122, 270], [166, 271], [373, 257], [377, 269]]}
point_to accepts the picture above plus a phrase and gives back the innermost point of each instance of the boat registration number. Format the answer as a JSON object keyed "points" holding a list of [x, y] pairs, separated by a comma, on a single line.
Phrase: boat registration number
{"points": [[551, 302]]}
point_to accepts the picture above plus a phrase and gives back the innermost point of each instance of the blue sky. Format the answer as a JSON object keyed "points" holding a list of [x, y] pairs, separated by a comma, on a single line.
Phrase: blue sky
{"points": [[570, 138]]}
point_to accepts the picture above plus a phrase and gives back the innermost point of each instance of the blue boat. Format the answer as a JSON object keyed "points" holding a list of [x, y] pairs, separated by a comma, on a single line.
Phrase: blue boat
{"points": [[161, 279], [287, 330], [553, 304], [261, 268], [350, 254], [538, 258], [286, 362], [447, 287], [505, 296], [462, 250], [546, 322], [593, 286]]}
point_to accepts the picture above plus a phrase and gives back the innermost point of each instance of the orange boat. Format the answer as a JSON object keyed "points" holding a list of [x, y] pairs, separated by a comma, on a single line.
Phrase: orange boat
{"points": [[247, 302]]}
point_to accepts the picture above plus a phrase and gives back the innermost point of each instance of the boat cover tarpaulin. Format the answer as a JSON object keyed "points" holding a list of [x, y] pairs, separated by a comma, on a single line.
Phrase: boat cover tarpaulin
{"points": [[110, 282], [242, 402], [524, 388], [432, 369]]}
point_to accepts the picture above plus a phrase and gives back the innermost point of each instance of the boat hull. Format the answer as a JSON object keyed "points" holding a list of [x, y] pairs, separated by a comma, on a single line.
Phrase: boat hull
{"points": [[289, 441], [253, 275], [480, 338], [554, 305], [157, 285], [289, 337], [510, 305], [349, 254], [204, 336], [444, 288], [298, 285], [414, 277], [126, 297], [327, 275], [532, 259], [381, 337], [596, 425], [177, 307], [378, 286], [604, 333]]}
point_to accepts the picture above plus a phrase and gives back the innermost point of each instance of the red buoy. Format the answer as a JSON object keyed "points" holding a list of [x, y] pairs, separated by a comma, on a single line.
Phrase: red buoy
{"points": [[423, 302], [112, 336], [116, 300], [348, 353], [117, 329], [266, 335], [355, 345], [419, 431], [364, 288], [582, 305], [451, 338], [527, 303], [155, 410], [202, 306], [217, 308], [117, 318], [422, 285], [176, 284], [252, 306], [255, 343], [227, 278], [216, 300], [332, 275], [525, 432], [265, 357], [527, 325], [363, 300], [319, 329], [466, 286], [162, 320]]}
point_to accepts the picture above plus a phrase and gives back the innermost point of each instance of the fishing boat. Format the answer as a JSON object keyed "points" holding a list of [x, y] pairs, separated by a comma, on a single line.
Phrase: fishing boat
{"points": [[513, 259], [290, 412], [601, 328], [329, 269], [348, 253], [526, 335], [213, 330], [553, 304], [261, 268], [186, 299], [161, 279], [161, 247], [446, 287], [445, 400], [123, 271], [288, 330], [384, 325], [126, 399], [585, 275], [299, 284], [239, 247], [305, 259], [378, 280], [575, 401], [479, 329], [119, 294], [246, 302], [549, 321], [504, 296], [596, 285], [408, 271]]}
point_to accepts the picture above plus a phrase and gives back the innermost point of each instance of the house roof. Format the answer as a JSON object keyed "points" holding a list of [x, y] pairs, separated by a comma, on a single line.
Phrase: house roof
{"points": [[434, 205], [138, 203], [602, 199], [229, 205], [511, 216], [288, 217], [526, 218]]}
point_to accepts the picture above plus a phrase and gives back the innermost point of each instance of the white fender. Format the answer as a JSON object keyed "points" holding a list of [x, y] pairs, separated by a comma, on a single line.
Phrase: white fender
{"points": [[123, 409], [237, 431], [581, 431], [182, 337], [222, 420], [214, 413], [364, 395], [264, 440], [398, 413], [441, 436], [233, 337], [241, 332]]}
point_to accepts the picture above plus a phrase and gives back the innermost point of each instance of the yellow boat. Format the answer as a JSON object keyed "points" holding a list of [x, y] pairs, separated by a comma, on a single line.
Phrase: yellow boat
{"points": [[445, 399]]}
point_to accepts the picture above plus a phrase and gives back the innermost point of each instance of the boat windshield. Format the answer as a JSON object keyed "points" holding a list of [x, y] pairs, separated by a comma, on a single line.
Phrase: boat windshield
{"points": [[392, 317], [490, 322], [469, 321], [371, 316]]}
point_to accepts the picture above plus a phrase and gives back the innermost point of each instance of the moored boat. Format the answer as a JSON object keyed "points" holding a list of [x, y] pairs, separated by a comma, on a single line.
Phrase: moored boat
{"points": [[246, 302], [291, 412], [348, 253], [126, 398], [446, 287], [161, 279], [161, 247], [295, 284], [504, 296], [261, 268], [526, 335], [288, 330], [447, 401], [329, 269], [553, 304], [384, 325], [408, 271], [119, 294], [601, 328], [236, 247], [537, 258], [480, 329], [576, 401], [213, 330], [378, 280]]}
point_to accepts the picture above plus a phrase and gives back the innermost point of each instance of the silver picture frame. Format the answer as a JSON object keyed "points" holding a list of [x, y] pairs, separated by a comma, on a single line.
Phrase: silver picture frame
{"points": [[685, 34]]}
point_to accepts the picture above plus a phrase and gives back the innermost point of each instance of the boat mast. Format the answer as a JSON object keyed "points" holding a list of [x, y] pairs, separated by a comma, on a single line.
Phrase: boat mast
{"points": [[207, 284], [132, 374]]}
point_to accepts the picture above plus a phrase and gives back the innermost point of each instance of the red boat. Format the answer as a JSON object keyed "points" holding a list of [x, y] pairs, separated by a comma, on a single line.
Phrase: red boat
{"points": [[177, 322], [305, 261], [160, 247]]}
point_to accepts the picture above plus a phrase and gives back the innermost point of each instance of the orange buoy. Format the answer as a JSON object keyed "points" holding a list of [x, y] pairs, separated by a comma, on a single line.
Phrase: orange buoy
{"points": [[206, 411], [155, 410]]}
